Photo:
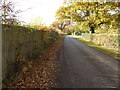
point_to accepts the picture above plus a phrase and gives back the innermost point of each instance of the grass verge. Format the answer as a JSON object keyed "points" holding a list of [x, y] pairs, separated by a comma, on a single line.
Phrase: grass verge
{"points": [[111, 52]]}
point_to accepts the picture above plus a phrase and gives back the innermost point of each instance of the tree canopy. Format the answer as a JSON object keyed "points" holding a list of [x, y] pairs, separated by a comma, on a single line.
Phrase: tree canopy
{"points": [[8, 14], [91, 14]]}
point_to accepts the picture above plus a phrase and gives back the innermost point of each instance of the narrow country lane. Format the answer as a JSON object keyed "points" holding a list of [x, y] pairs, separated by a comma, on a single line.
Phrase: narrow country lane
{"points": [[85, 67]]}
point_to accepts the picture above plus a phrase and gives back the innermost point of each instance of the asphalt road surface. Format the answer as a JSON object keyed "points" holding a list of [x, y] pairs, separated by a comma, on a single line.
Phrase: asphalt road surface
{"points": [[85, 67]]}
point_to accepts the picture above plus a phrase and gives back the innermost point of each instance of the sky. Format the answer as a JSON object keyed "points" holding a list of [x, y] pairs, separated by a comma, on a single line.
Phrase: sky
{"points": [[38, 8]]}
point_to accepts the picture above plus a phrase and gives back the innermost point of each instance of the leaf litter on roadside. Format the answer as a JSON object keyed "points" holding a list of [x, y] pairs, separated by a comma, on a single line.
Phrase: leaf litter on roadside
{"points": [[39, 73]]}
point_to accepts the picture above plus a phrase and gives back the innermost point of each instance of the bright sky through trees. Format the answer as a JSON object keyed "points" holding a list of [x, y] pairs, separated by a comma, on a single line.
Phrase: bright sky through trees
{"points": [[38, 8]]}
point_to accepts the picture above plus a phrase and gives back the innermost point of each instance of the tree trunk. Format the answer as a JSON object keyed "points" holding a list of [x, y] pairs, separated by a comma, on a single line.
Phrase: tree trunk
{"points": [[92, 29]]}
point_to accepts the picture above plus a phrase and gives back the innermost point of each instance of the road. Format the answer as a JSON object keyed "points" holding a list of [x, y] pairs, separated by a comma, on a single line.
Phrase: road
{"points": [[85, 67]]}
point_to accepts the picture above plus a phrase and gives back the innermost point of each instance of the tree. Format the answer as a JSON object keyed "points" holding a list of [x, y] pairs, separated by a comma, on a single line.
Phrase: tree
{"points": [[37, 21], [60, 24], [68, 29], [38, 24], [8, 14], [91, 14]]}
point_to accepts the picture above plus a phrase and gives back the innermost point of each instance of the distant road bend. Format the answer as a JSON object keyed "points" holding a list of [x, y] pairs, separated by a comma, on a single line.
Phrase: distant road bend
{"points": [[85, 67]]}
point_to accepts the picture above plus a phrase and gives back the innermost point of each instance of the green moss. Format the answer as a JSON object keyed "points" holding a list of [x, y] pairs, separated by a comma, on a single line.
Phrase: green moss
{"points": [[115, 54]]}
